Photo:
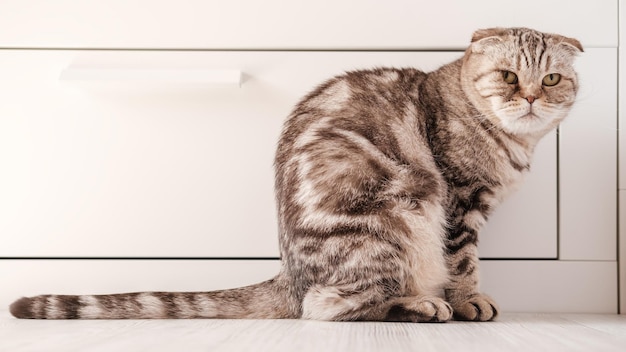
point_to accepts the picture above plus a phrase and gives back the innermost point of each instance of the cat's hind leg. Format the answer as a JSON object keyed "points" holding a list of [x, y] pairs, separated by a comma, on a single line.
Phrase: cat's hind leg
{"points": [[419, 309], [344, 303]]}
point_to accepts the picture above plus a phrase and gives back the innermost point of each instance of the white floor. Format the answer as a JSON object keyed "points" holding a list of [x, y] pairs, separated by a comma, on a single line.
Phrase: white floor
{"points": [[512, 332]]}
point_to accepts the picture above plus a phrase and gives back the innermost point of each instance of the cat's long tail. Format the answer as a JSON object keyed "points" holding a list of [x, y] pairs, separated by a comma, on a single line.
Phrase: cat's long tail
{"points": [[265, 300]]}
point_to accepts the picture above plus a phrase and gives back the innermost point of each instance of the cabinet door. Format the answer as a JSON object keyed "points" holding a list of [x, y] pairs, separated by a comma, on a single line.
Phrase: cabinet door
{"points": [[133, 160]]}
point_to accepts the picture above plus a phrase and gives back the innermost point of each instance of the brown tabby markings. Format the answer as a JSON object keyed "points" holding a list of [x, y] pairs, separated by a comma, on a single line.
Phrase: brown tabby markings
{"points": [[383, 179]]}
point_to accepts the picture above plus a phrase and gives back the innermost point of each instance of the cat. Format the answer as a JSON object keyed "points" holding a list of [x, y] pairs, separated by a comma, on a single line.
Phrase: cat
{"points": [[383, 179]]}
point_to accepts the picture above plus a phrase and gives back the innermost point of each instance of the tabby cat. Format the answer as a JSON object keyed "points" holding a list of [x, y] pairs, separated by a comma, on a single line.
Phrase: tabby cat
{"points": [[383, 179]]}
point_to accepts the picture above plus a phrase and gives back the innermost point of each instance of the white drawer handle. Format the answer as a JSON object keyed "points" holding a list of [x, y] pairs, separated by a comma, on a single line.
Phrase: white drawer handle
{"points": [[181, 75]]}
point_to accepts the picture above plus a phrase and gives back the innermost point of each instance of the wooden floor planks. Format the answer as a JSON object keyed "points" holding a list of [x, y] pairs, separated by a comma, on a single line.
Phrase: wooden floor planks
{"points": [[511, 333]]}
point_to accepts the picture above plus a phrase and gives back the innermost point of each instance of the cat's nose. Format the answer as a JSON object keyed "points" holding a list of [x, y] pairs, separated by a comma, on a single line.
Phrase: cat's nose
{"points": [[530, 98]]}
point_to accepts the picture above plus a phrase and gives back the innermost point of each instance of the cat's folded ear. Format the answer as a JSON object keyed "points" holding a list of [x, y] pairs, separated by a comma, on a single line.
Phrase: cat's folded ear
{"points": [[484, 38], [571, 43], [490, 33]]}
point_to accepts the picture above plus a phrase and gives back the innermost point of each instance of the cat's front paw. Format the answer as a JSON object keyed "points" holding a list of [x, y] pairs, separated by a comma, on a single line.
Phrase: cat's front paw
{"points": [[476, 307]]}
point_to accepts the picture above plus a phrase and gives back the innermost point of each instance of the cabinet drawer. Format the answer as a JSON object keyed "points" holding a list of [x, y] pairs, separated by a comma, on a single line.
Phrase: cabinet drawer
{"points": [[284, 24], [164, 168]]}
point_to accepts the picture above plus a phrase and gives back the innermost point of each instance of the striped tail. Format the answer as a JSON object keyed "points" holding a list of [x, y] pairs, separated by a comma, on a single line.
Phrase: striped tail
{"points": [[265, 300]]}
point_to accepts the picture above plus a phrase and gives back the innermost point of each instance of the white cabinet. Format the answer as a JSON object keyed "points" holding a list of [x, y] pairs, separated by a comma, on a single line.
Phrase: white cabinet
{"points": [[144, 162]]}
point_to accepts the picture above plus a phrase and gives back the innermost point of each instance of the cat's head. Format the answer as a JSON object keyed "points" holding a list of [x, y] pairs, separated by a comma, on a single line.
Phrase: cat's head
{"points": [[521, 79]]}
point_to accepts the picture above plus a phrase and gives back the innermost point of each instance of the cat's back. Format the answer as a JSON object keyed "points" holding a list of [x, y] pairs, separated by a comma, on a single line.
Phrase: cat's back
{"points": [[352, 145], [366, 102]]}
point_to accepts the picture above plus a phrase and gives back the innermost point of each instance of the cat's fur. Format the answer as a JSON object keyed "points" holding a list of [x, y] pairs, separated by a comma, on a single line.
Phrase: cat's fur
{"points": [[383, 179]]}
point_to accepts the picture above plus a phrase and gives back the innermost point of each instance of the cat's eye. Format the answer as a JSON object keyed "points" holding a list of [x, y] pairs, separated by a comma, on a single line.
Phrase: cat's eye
{"points": [[509, 77], [551, 80]]}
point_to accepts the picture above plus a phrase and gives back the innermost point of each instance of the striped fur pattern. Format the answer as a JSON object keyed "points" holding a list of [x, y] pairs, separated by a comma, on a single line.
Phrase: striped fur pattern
{"points": [[384, 178]]}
